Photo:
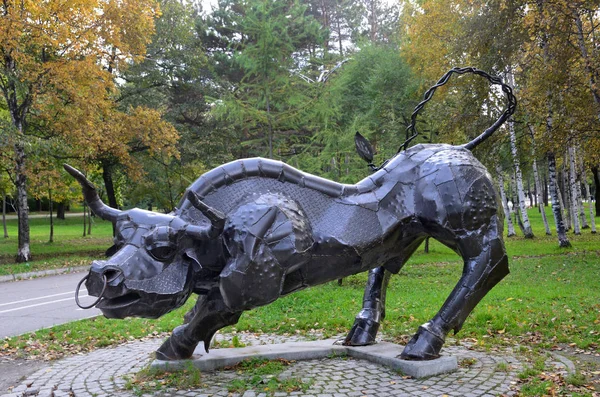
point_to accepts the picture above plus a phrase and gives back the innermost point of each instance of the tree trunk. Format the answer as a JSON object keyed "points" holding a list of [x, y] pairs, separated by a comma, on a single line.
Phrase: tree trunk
{"points": [[556, 201], [574, 207], [535, 192], [539, 200], [564, 199], [509, 224], [60, 211], [84, 218], [89, 231], [519, 221], [589, 197], [23, 251], [109, 184], [270, 124], [596, 175], [537, 184], [545, 191], [110, 188], [426, 248], [529, 202], [339, 33], [4, 215], [563, 240], [51, 240], [527, 232], [516, 204], [581, 192]]}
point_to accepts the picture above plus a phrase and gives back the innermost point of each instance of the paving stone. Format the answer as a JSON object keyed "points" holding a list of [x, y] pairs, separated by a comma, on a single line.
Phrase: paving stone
{"points": [[46, 392], [102, 372], [31, 391]]}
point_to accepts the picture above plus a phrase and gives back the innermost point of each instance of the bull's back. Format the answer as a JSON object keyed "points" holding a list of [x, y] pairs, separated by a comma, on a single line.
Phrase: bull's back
{"points": [[333, 222], [441, 186]]}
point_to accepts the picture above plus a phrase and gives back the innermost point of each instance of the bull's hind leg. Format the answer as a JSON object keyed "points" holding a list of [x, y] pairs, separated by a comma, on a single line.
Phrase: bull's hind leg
{"points": [[366, 324], [485, 264]]}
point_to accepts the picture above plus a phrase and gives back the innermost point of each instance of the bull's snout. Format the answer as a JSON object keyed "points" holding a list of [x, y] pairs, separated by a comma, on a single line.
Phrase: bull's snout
{"points": [[102, 274], [104, 281], [113, 274]]}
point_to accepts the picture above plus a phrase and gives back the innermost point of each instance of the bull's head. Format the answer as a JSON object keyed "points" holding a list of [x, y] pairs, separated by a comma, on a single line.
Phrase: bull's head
{"points": [[153, 264]]}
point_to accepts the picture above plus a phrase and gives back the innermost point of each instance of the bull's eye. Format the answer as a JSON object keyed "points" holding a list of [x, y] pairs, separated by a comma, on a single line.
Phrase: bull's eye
{"points": [[162, 253]]}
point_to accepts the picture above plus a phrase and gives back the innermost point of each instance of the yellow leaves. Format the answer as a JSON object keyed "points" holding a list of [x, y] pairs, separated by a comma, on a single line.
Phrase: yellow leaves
{"points": [[128, 25], [36, 33], [430, 37], [62, 52]]}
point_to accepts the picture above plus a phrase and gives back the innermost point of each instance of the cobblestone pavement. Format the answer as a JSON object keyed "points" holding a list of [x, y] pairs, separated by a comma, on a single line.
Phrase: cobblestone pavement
{"points": [[103, 373]]}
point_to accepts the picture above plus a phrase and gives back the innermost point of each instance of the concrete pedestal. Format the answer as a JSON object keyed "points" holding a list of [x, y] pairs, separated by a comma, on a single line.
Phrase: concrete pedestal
{"points": [[383, 353]]}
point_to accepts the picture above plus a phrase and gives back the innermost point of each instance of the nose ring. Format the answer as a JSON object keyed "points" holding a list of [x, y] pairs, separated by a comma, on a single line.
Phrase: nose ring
{"points": [[97, 300]]}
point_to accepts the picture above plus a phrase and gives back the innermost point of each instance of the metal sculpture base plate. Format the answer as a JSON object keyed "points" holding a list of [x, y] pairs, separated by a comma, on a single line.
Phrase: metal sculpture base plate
{"points": [[383, 353]]}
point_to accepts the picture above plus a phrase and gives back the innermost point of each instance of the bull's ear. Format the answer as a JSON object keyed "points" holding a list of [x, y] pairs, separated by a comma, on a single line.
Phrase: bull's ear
{"points": [[363, 147], [190, 253]]}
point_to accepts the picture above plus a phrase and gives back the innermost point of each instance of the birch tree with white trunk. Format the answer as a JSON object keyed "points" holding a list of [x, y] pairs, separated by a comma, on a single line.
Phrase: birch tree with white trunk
{"points": [[527, 231], [563, 240], [580, 194], [509, 223], [588, 194], [565, 196], [573, 188], [538, 184]]}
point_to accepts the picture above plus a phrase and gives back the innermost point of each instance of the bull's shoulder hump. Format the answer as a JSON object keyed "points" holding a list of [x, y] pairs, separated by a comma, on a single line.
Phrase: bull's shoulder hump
{"points": [[258, 167]]}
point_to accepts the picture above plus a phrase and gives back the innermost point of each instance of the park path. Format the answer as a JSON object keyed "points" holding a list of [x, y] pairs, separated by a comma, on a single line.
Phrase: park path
{"points": [[104, 373], [29, 305], [41, 215]]}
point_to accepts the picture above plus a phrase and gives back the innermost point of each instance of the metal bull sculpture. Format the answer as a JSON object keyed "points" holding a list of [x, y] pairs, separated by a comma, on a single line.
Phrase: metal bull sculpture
{"points": [[253, 230]]}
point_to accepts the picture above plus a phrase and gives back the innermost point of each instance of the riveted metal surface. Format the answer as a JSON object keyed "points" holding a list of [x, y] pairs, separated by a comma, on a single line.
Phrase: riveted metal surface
{"points": [[255, 229]]}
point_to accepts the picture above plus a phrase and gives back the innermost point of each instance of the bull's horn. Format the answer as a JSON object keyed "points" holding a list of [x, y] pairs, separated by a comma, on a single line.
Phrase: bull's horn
{"points": [[91, 197], [216, 217]]}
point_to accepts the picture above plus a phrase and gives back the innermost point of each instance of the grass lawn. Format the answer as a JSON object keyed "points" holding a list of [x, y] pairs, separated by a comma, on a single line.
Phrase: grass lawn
{"points": [[69, 248], [550, 300]]}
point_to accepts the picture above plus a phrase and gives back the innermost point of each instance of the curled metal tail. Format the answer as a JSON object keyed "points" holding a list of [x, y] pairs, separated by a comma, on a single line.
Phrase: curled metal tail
{"points": [[411, 130]]}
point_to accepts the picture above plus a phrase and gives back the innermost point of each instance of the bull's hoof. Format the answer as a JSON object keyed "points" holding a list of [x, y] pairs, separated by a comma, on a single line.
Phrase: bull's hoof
{"points": [[424, 345], [169, 351], [175, 347], [363, 333]]}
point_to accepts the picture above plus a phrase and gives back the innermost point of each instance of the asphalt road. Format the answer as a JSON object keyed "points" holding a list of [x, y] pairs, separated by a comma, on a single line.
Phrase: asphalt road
{"points": [[29, 305]]}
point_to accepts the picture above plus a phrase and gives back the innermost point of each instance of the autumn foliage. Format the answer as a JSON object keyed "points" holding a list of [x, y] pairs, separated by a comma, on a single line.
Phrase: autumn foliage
{"points": [[58, 64]]}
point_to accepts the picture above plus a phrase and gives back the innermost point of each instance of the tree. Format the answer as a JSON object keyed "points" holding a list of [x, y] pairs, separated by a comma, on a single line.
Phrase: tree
{"points": [[274, 36], [538, 186], [372, 93], [43, 44], [500, 178], [377, 21], [549, 45], [179, 78]]}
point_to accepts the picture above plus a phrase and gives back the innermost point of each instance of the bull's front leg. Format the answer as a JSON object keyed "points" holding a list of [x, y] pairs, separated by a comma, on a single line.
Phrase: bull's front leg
{"points": [[209, 315], [366, 324]]}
